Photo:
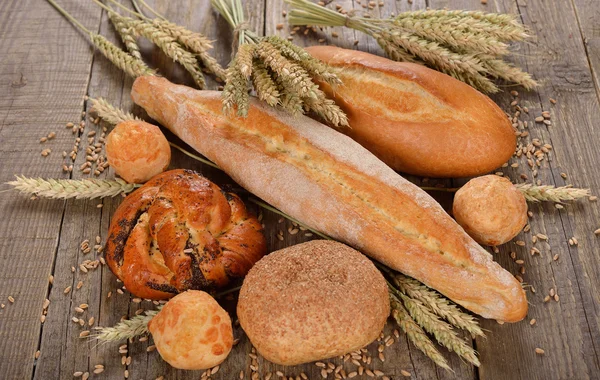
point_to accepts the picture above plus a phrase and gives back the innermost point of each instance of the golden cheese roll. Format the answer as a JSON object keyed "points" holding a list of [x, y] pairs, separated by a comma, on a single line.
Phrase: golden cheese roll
{"points": [[192, 331]]}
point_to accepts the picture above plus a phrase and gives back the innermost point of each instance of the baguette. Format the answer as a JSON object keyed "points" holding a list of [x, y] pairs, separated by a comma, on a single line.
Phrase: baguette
{"points": [[417, 120], [332, 184]]}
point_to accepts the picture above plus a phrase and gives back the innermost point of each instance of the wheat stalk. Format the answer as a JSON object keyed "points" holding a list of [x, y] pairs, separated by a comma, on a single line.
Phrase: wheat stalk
{"points": [[442, 331], [534, 193], [279, 70], [435, 302], [129, 328], [127, 35], [194, 42], [131, 65], [552, 194], [72, 188], [168, 45], [415, 333], [110, 113], [466, 45]]}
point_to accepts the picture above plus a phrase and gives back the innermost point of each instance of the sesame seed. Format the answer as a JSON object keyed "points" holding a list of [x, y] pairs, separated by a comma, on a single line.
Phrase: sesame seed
{"points": [[11, 299], [539, 351], [532, 322], [405, 373], [67, 290]]}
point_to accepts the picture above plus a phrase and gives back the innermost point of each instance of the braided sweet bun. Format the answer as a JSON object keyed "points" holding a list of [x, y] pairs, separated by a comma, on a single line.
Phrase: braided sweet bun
{"points": [[180, 231]]}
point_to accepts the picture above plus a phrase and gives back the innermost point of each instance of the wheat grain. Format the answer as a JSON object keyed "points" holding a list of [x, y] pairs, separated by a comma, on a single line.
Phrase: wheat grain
{"points": [[466, 45]]}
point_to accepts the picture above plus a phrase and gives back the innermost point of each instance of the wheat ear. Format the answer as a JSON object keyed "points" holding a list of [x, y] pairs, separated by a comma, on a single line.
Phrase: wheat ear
{"points": [[110, 113], [436, 303], [127, 35], [442, 331], [72, 188], [415, 333], [129, 328], [550, 193]]}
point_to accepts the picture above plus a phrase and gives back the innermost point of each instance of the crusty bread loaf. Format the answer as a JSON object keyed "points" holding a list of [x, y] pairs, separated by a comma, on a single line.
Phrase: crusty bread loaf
{"points": [[334, 185], [312, 301], [417, 120]]}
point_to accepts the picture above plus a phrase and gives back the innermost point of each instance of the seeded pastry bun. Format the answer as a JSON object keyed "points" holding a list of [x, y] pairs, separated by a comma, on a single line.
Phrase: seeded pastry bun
{"points": [[312, 301]]}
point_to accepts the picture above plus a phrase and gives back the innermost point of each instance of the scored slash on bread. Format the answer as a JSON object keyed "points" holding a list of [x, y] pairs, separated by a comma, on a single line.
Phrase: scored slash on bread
{"points": [[334, 185], [415, 119]]}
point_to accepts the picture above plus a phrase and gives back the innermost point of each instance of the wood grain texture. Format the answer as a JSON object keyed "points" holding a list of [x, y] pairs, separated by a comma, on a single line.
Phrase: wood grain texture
{"points": [[567, 330], [44, 74], [44, 91], [587, 13]]}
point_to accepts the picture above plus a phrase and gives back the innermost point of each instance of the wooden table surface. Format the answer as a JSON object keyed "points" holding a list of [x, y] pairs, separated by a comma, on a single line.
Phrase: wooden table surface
{"points": [[46, 69]]}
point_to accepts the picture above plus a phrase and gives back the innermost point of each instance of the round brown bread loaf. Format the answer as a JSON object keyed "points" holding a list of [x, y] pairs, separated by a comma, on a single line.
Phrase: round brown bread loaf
{"points": [[312, 301], [490, 209]]}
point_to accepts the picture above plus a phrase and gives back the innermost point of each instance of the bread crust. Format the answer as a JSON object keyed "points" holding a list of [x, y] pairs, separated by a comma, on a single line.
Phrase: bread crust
{"points": [[137, 151], [192, 331], [490, 209], [312, 301], [332, 184], [180, 231], [417, 120]]}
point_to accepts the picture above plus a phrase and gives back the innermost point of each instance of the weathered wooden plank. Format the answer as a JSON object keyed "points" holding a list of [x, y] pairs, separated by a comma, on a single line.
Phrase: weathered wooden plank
{"points": [[559, 325], [588, 14], [43, 74]]}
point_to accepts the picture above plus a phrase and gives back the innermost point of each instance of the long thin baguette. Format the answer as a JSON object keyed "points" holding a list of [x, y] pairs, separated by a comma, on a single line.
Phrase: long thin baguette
{"points": [[334, 185]]}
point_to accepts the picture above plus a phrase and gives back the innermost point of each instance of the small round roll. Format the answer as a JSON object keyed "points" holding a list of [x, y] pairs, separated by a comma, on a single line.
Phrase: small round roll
{"points": [[137, 151], [312, 301], [490, 209], [192, 331]]}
